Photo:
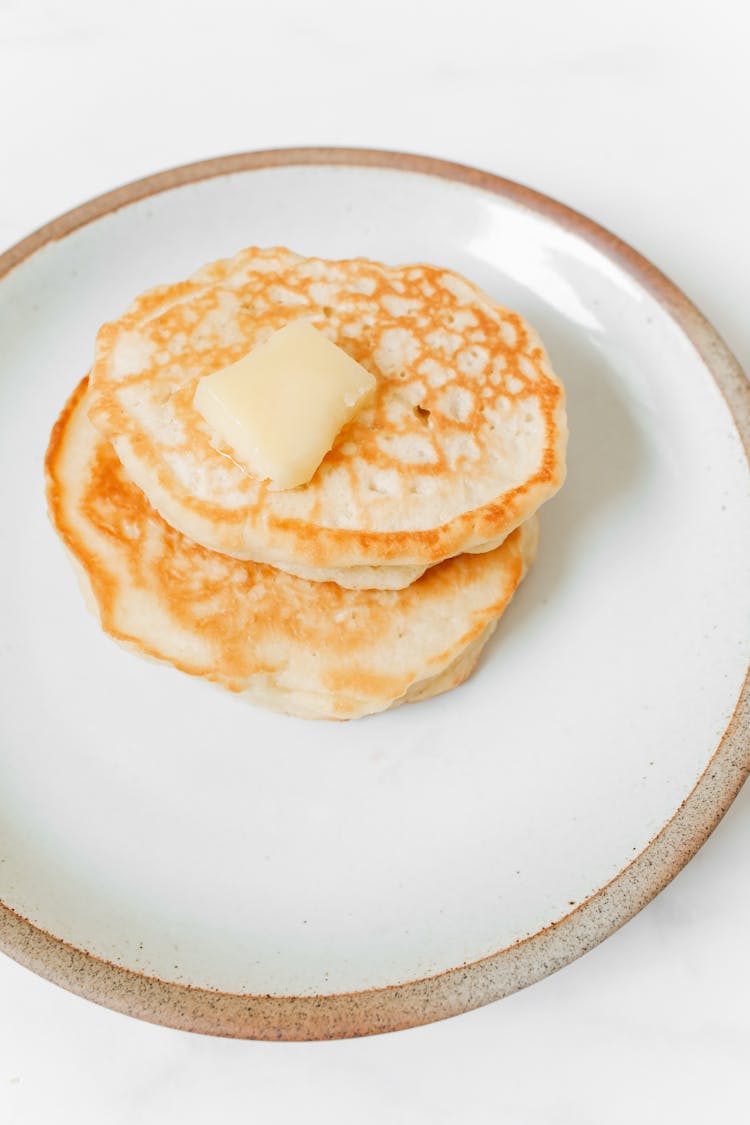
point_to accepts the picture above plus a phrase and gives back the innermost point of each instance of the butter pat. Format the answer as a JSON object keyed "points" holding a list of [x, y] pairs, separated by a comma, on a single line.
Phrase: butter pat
{"points": [[279, 409]]}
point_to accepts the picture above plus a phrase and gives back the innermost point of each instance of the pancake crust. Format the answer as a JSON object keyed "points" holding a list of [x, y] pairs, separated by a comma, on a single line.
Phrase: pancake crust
{"points": [[465, 439], [306, 648]]}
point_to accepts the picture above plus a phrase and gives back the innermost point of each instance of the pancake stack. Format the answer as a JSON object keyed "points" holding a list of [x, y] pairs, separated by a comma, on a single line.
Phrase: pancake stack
{"points": [[380, 580]]}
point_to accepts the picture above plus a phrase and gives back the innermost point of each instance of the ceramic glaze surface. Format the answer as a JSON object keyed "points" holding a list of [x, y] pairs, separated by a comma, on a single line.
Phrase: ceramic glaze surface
{"points": [[168, 828]]}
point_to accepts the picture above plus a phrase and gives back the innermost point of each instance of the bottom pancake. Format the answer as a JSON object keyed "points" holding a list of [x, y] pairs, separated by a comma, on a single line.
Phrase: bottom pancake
{"points": [[305, 648]]}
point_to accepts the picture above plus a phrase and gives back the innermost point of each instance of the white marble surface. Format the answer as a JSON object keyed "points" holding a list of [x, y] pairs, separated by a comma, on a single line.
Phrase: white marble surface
{"points": [[638, 119]]}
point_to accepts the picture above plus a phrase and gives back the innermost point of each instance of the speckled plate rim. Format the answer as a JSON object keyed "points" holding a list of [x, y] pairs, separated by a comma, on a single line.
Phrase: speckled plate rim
{"points": [[460, 989]]}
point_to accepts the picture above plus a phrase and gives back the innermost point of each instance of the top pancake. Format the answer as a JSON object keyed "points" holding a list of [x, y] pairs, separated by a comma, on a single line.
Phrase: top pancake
{"points": [[463, 442]]}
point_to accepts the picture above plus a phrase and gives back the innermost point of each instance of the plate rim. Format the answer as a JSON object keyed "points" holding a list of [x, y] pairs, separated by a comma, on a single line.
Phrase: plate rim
{"points": [[462, 988]]}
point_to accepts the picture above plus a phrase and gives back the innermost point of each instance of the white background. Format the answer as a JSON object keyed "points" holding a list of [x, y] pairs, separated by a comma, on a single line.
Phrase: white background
{"points": [[635, 115]]}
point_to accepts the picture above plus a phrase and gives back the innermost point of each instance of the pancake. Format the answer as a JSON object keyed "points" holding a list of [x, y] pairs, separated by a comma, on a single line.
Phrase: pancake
{"points": [[464, 440], [305, 648]]}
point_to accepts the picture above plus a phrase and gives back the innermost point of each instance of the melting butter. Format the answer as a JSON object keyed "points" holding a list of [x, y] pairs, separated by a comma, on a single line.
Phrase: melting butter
{"points": [[279, 409]]}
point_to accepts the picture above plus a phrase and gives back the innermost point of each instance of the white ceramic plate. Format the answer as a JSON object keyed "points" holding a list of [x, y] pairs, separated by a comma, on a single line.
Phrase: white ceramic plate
{"points": [[174, 853]]}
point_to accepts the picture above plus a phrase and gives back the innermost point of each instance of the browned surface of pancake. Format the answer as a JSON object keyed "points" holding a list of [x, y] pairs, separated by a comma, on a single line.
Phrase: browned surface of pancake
{"points": [[465, 438], [306, 647]]}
